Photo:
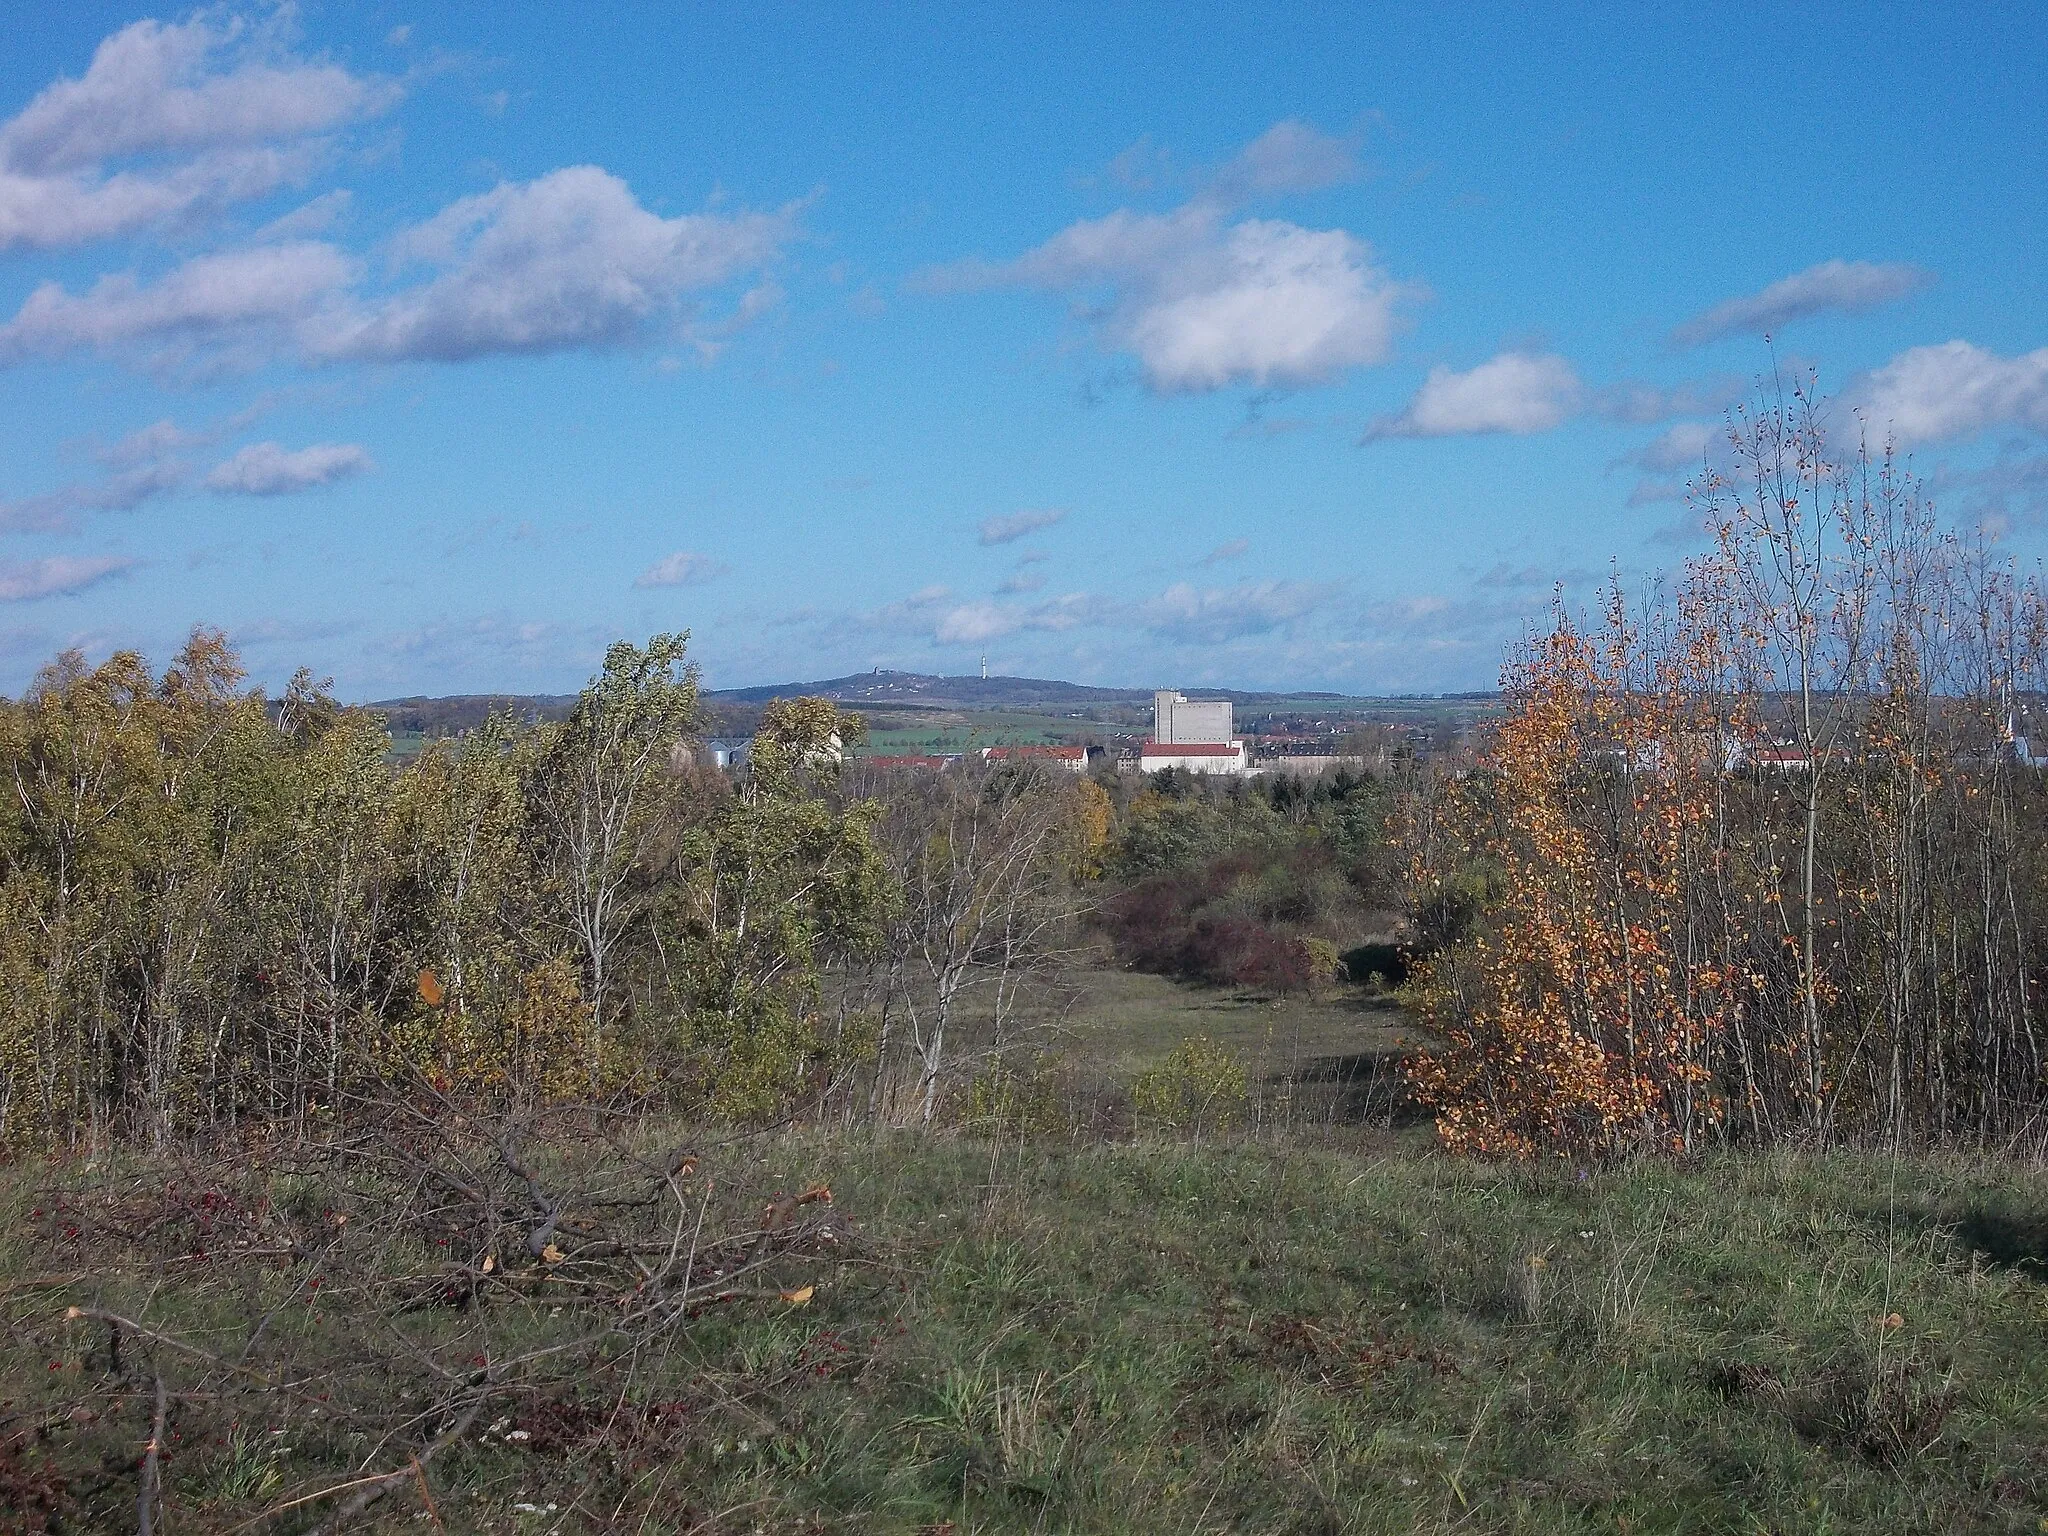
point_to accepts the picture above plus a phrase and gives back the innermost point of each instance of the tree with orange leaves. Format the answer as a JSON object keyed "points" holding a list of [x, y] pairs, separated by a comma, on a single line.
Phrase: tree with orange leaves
{"points": [[1581, 1018]]}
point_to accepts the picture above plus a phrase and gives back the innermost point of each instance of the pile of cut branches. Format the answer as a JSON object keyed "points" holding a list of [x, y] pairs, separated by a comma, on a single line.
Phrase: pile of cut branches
{"points": [[282, 1335]]}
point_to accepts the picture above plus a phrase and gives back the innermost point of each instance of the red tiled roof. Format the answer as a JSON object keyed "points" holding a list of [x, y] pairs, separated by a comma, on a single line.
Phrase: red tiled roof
{"points": [[1066, 754], [1189, 749]]}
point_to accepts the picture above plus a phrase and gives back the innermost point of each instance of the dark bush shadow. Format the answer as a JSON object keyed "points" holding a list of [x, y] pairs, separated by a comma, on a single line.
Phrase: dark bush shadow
{"points": [[2011, 1242], [1385, 963], [1999, 1237]]}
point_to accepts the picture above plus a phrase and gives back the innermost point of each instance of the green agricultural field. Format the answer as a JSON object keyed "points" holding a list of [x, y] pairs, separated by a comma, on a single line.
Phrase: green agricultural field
{"points": [[962, 731], [406, 745]]}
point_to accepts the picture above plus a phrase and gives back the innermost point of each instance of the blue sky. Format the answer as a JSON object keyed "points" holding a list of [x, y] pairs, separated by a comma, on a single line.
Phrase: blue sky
{"points": [[1183, 345]]}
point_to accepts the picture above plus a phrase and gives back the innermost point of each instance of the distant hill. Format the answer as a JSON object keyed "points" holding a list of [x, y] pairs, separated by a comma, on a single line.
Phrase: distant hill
{"points": [[913, 690], [910, 692]]}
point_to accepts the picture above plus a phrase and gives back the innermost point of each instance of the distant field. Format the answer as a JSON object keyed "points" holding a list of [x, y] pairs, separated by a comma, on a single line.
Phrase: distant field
{"points": [[964, 730]]}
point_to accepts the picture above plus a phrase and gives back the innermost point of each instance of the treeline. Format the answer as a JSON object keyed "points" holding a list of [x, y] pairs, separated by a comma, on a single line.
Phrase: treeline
{"points": [[219, 909], [216, 907], [1759, 858]]}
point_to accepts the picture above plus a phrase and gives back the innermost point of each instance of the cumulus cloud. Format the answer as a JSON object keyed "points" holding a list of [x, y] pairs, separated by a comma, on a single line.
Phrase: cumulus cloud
{"points": [[216, 110], [23, 580], [1202, 301], [567, 261], [1007, 530], [1211, 614], [1953, 390], [684, 568], [270, 469], [1290, 156], [977, 622], [1515, 392], [145, 444], [217, 299], [1845, 286]]}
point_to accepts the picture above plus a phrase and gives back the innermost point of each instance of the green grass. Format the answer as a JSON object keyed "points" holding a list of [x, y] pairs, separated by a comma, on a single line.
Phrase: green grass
{"points": [[1168, 1337], [963, 730], [1124, 1021], [1310, 1061]]}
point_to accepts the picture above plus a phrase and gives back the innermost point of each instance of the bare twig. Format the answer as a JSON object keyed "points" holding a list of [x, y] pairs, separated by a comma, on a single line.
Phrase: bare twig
{"points": [[152, 1462]]}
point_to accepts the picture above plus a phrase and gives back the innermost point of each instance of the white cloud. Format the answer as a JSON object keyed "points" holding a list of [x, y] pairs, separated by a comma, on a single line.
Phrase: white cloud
{"points": [[215, 299], [157, 440], [1203, 302], [682, 569], [1211, 614], [1514, 392], [154, 87], [1269, 304], [570, 260], [977, 622], [44, 212], [1847, 286], [1008, 529], [972, 623], [270, 469], [1290, 156], [23, 580], [218, 108], [316, 217], [1674, 457], [1953, 390]]}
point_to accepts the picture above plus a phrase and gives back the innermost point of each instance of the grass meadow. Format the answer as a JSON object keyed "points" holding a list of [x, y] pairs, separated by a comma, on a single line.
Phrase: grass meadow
{"points": [[1310, 1322]]}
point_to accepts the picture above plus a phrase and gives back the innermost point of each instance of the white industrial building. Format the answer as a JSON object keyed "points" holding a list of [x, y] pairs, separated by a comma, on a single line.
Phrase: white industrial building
{"points": [[1192, 734]]}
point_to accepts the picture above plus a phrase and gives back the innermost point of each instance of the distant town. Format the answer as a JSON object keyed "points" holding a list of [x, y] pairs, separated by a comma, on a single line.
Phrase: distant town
{"points": [[920, 721]]}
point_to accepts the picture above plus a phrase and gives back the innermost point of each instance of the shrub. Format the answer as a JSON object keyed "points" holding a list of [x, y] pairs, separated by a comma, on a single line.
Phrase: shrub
{"points": [[1241, 952], [1018, 1099], [1201, 1086]]}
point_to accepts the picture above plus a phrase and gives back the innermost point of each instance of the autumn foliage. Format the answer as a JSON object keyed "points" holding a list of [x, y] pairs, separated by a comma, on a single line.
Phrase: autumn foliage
{"points": [[1581, 1021], [1758, 857]]}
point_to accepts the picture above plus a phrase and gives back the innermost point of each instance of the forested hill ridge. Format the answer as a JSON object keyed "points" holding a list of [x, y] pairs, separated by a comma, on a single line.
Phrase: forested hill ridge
{"points": [[880, 688]]}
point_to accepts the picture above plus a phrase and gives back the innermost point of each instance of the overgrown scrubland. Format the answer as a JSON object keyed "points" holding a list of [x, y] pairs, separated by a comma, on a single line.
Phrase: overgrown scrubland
{"points": [[553, 1132], [982, 1336]]}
